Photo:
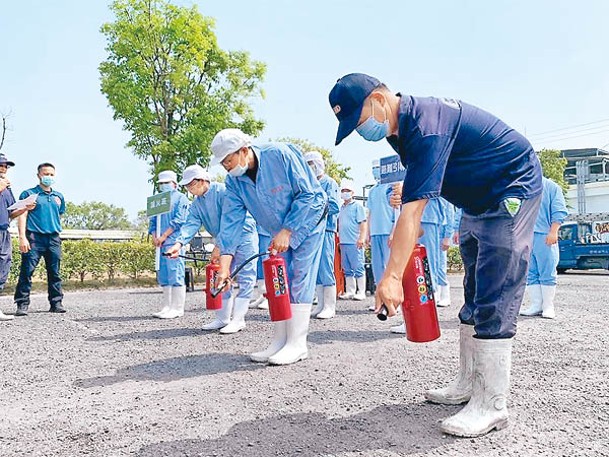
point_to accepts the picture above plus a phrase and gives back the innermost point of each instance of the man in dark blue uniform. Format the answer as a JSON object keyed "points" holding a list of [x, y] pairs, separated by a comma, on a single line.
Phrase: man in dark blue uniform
{"points": [[39, 237], [454, 150], [6, 247]]}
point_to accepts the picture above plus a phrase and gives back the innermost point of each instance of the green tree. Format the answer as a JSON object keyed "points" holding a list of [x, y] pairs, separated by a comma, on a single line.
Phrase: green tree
{"points": [[171, 85], [334, 169], [140, 224], [95, 216], [553, 165]]}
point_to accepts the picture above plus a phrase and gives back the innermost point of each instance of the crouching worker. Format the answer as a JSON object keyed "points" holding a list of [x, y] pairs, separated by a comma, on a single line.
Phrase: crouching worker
{"points": [[206, 211], [274, 183], [171, 271]]}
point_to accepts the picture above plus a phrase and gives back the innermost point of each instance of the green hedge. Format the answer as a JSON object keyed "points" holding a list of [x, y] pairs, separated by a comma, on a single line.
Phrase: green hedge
{"points": [[455, 263], [82, 259]]}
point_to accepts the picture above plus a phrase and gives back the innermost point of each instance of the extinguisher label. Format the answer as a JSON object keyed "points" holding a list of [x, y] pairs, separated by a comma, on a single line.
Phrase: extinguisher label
{"points": [[279, 283], [427, 273]]}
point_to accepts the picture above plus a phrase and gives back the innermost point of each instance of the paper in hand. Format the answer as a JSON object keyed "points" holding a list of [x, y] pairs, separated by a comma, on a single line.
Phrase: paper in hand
{"points": [[20, 204]]}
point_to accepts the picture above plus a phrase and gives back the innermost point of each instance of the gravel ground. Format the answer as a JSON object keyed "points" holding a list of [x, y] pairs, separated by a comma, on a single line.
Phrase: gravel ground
{"points": [[106, 379]]}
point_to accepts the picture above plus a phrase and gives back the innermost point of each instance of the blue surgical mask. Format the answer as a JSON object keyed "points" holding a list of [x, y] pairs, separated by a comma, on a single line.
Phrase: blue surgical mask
{"points": [[345, 195], [373, 130], [166, 187], [47, 181], [376, 173]]}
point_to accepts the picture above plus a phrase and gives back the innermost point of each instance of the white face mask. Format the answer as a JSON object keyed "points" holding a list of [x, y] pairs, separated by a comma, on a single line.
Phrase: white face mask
{"points": [[238, 170], [165, 187], [345, 195]]}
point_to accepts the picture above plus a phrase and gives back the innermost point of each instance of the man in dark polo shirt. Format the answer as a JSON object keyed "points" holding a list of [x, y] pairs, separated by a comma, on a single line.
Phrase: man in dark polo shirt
{"points": [[39, 237], [474, 160], [6, 247]]}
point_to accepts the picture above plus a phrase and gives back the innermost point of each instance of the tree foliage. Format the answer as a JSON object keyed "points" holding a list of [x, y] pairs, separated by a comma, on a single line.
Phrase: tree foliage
{"points": [[334, 169], [553, 165], [171, 85], [95, 216]]}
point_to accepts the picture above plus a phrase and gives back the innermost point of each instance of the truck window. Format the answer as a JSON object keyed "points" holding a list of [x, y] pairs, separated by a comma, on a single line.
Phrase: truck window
{"points": [[565, 233]]}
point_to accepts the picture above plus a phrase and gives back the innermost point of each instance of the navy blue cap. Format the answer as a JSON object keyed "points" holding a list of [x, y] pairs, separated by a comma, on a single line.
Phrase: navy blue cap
{"points": [[5, 161], [347, 100]]}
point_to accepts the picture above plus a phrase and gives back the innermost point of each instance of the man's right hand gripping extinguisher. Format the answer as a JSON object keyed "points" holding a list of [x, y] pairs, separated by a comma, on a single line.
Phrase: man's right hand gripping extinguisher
{"points": [[212, 301], [277, 290], [419, 306]]}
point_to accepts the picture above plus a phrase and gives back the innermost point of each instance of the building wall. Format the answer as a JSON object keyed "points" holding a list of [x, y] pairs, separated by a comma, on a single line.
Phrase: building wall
{"points": [[597, 197]]}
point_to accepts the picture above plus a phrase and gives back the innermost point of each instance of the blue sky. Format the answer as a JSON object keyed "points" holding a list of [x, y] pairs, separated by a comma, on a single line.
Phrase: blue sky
{"points": [[541, 66]]}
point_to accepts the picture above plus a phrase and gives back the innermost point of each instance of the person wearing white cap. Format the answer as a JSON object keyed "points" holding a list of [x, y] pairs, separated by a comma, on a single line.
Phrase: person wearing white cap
{"points": [[171, 271], [326, 281], [206, 211], [274, 183], [352, 230], [380, 222]]}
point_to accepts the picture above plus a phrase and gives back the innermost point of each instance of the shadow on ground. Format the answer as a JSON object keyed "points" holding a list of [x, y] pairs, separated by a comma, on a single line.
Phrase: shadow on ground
{"points": [[175, 369], [402, 429]]}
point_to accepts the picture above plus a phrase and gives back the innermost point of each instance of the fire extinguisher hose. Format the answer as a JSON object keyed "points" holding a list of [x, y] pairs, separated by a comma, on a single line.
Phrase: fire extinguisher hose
{"points": [[215, 292]]}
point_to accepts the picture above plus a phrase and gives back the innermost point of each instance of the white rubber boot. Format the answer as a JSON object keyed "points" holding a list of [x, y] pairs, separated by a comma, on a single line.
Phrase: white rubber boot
{"points": [[329, 299], [4, 317], [534, 309], [398, 328], [443, 296], [166, 303], [222, 315], [297, 330], [349, 288], [237, 323], [361, 288], [547, 305], [319, 291], [278, 342], [260, 299], [487, 408], [460, 389], [178, 297]]}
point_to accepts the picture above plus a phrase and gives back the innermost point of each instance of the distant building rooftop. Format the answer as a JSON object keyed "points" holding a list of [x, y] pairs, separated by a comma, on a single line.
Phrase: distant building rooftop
{"points": [[598, 164]]}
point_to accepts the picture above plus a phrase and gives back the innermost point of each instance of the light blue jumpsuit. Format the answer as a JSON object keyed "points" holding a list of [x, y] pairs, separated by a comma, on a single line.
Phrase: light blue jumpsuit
{"points": [[432, 223], [544, 258], [207, 211], [447, 231], [286, 194], [264, 239], [326, 277], [381, 218], [171, 271], [352, 258]]}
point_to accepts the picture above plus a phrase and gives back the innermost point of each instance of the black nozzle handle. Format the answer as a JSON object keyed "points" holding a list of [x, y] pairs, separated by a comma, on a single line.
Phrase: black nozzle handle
{"points": [[215, 292], [382, 314]]}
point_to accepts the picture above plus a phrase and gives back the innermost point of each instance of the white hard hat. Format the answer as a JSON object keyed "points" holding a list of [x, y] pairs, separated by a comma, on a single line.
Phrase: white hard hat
{"points": [[167, 176], [226, 142], [347, 184], [194, 172]]}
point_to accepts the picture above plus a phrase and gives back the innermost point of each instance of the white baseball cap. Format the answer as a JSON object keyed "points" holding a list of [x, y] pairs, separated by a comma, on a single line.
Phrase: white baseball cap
{"points": [[376, 163], [194, 172], [347, 184], [226, 142], [167, 176]]}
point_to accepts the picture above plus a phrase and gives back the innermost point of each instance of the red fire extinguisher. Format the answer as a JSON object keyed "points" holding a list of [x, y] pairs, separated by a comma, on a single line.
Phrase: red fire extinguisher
{"points": [[212, 301], [419, 306], [277, 291]]}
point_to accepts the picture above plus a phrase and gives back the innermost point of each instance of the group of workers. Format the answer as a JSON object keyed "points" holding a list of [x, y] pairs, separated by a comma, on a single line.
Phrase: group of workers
{"points": [[462, 164]]}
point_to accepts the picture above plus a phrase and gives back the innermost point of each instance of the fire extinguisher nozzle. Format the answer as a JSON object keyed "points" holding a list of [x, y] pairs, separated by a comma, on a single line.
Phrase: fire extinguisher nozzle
{"points": [[382, 314]]}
